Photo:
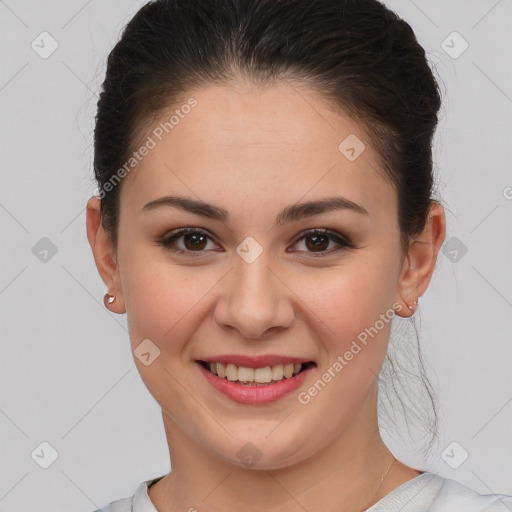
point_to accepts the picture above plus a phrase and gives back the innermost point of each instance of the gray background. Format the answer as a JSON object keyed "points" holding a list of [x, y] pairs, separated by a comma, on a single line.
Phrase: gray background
{"points": [[67, 374]]}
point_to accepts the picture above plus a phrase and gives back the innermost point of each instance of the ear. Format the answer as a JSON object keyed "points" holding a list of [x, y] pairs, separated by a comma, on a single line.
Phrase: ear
{"points": [[104, 254], [421, 259]]}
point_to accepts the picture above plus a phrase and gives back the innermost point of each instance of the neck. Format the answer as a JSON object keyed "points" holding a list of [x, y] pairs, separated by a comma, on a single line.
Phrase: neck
{"points": [[345, 476]]}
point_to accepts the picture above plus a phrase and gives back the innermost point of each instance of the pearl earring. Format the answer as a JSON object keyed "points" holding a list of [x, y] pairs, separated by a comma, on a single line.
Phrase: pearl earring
{"points": [[109, 299], [416, 302]]}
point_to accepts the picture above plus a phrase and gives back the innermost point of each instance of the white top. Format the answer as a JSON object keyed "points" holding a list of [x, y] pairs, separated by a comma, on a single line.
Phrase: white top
{"points": [[427, 492]]}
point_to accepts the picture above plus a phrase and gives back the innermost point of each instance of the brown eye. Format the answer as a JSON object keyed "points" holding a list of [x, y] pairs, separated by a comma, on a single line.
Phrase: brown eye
{"points": [[189, 241], [194, 241], [317, 242], [322, 242]]}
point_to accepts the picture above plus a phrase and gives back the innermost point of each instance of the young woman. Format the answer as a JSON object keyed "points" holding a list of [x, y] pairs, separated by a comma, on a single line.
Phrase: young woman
{"points": [[265, 210]]}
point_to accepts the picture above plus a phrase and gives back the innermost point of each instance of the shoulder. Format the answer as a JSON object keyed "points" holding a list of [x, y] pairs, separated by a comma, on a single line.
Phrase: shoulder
{"points": [[453, 493], [123, 505], [139, 502], [429, 492]]}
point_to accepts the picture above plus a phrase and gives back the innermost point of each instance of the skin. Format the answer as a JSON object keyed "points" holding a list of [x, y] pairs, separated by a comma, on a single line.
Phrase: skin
{"points": [[252, 151]]}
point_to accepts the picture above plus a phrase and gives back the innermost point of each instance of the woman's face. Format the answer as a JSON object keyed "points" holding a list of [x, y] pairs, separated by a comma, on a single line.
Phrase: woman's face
{"points": [[249, 283]]}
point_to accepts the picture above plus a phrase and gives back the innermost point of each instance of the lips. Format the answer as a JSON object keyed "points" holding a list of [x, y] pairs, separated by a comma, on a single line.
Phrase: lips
{"points": [[255, 380]]}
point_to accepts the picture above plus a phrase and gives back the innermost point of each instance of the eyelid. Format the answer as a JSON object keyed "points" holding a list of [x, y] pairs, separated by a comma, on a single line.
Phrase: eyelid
{"points": [[342, 241], [167, 240], [185, 230]]}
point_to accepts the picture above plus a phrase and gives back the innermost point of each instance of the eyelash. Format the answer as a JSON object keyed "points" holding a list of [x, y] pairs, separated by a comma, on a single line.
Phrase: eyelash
{"points": [[169, 240]]}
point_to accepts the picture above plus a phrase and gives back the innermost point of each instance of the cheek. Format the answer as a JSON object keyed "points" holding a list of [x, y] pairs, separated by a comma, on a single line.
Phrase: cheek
{"points": [[352, 317], [164, 301], [347, 299]]}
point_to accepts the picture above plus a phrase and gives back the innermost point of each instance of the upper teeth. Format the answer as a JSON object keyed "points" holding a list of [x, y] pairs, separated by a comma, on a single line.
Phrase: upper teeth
{"points": [[261, 375]]}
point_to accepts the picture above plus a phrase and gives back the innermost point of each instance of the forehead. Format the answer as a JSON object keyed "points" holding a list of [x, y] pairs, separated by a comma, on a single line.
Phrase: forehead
{"points": [[238, 142]]}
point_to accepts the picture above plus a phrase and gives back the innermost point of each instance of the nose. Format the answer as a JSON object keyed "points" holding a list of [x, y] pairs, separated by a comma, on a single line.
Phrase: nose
{"points": [[254, 300]]}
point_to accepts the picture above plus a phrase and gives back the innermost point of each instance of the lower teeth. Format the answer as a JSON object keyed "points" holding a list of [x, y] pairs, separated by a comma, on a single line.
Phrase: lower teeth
{"points": [[252, 383]]}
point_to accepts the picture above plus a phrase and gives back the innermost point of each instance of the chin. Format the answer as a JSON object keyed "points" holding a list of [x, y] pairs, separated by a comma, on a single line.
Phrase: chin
{"points": [[260, 451]]}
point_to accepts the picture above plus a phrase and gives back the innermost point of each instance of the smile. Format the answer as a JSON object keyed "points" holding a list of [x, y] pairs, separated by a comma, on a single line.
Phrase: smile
{"points": [[255, 376], [256, 384]]}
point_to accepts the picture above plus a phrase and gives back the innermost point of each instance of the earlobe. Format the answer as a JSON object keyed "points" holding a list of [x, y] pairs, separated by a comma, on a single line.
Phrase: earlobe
{"points": [[421, 259], [104, 255]]}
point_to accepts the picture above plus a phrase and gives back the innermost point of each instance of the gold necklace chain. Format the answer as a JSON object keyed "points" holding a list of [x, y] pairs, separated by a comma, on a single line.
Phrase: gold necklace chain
{"points": [[380, 483]]}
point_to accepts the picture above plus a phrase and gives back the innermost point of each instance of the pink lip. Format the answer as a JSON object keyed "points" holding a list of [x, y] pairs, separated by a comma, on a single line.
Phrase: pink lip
{"points": [[255, 394], [255, 361]]}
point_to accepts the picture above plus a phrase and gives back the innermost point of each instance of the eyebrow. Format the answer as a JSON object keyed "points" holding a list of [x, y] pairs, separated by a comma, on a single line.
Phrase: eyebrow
{"points": [[290, 213]]}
